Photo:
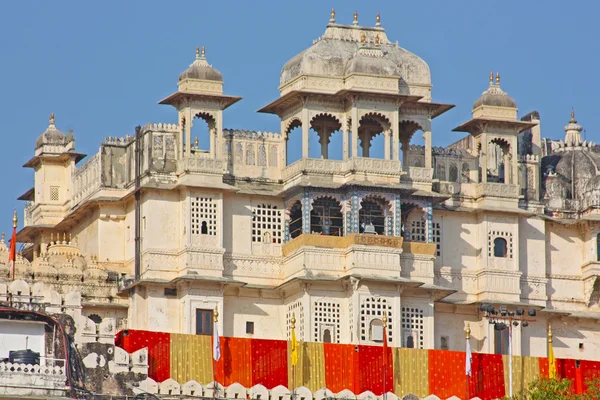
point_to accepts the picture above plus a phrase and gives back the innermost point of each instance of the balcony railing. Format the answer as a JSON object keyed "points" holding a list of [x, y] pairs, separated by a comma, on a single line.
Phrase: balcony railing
{"points": [[341, 242]]}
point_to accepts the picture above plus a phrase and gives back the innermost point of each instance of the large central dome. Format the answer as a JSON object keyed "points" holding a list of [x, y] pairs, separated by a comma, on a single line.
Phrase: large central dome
{"points": [[344, 50]]}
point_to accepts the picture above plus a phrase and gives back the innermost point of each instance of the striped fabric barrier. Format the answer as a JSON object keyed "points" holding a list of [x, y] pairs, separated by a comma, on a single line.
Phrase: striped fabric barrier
{"points": [[342, 366]]}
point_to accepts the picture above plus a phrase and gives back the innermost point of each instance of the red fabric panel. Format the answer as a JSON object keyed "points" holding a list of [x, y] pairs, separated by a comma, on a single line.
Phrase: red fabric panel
{"points": [[370, 371], [339, 366], [269, 362], [235, 364], [477, 378], [566, 369], [492, 371], [159, 350], [544, 367], [447, 375], [590, 370]]}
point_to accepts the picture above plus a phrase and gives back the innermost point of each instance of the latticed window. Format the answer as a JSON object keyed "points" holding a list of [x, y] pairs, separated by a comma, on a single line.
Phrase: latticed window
{"points": [[500, 244], [296, 309], [326, 322], [373, 308], [204, 216], [267, 224], [54, 190], [418, 233], [413, 330]]}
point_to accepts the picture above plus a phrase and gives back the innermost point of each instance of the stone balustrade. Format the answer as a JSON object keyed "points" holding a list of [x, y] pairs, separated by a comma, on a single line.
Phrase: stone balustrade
{"points": [[418, 174], [495, 190], [21, 380], [317, 166], [201, 165], [86, 179]]}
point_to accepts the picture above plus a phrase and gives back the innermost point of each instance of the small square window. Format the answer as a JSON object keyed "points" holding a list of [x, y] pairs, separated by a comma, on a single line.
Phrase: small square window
{"points": [[250, 327]]}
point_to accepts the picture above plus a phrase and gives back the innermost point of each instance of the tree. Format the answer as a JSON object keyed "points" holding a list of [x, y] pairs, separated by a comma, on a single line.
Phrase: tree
{"points": [[557, 389]]}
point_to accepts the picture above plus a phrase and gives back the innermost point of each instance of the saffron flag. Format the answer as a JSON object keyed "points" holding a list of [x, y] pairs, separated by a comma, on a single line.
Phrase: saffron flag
{"points": [[468, 359], [216, 343], [294, 348], [551, 361]]}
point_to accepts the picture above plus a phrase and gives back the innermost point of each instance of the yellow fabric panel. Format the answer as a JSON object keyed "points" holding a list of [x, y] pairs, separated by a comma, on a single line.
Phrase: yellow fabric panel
{"points": [[191, 358], [517, 374], [411, 372], [531, 370], [310, 369]]}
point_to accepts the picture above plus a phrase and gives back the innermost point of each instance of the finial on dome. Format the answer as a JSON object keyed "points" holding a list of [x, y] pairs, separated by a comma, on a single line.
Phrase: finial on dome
{"points": [[491, 78], [197, 52], [573, 132], [203, 55], [378, 20], [355, 22], [196, 142], [332, 19], [52, 119], [497, 78], [363, 37], [573, 121], [15, 219]]}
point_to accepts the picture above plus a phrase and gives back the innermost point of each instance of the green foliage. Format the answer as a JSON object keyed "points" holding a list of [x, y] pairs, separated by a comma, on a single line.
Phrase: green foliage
{"points": [[557, 389]]}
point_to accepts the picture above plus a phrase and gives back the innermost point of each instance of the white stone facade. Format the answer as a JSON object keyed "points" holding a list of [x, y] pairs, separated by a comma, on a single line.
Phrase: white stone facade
{"points": [[423, 234]]}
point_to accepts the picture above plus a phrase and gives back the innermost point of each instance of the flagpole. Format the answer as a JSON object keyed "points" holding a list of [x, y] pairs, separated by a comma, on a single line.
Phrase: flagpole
{"points": [[294, 349], [468, 338], [384, 353], [13, 244], [216, 354]]}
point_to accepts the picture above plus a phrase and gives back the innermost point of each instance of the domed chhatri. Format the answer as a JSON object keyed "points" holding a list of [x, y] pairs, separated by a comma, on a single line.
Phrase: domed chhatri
{"points": [[494, 96], [52, 136], [572, 169], [332, 57], [200, 69]]}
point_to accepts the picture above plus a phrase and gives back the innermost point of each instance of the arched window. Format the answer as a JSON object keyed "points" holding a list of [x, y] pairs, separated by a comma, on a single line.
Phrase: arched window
{"points": [[96, 318], [453, 173], [376, 330], [500, 247], [327, 336], [410, 342], [204, 228]]}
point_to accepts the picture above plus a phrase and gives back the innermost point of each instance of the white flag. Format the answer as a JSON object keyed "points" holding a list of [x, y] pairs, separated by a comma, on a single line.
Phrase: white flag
{"points": [[468, 359], [216, 343]]}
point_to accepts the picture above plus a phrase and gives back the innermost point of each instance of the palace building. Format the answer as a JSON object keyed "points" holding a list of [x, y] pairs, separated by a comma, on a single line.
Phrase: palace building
{"points": [[156, 231]]}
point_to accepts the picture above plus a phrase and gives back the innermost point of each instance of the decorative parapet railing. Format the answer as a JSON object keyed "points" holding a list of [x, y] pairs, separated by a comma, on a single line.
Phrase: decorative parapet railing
{"points": [[161, 127], [244, 134], [496, 190], [24, 380], [342, 167], [201, 165], [419, 248], [418, 174], [86, 179], [341, 242], [529, 158]]}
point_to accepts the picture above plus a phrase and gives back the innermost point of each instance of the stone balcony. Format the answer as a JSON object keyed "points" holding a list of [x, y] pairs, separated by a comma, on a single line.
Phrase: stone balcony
{"points": [[336, 256], [358, 168]]}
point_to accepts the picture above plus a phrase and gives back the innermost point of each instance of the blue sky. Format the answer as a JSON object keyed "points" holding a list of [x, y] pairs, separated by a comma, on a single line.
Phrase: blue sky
{"points": [[101, 67]]}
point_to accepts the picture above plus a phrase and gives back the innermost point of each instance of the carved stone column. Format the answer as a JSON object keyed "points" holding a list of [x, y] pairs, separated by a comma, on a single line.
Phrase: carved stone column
{"points": [[345, 138], [427, 137], [306, 205], [386, 150], [397, 215], [428, 211], [305, 132], [354, 116], [354, 207]]}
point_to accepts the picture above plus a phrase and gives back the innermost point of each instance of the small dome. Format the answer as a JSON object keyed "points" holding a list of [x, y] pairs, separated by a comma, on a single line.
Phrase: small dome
{"points": [[494, 96], [52, 136], [201, 69]]}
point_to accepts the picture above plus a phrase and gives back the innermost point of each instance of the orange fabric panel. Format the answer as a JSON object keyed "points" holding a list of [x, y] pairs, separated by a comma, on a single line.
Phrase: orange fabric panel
{"points": [[447, 375], [339, 366], [235, 364]]}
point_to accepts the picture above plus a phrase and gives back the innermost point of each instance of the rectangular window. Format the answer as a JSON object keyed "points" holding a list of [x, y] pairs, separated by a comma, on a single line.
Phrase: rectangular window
{"points": [[501, 341], [418, 233], [250, 327], [267, 224], [204, 322]]}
